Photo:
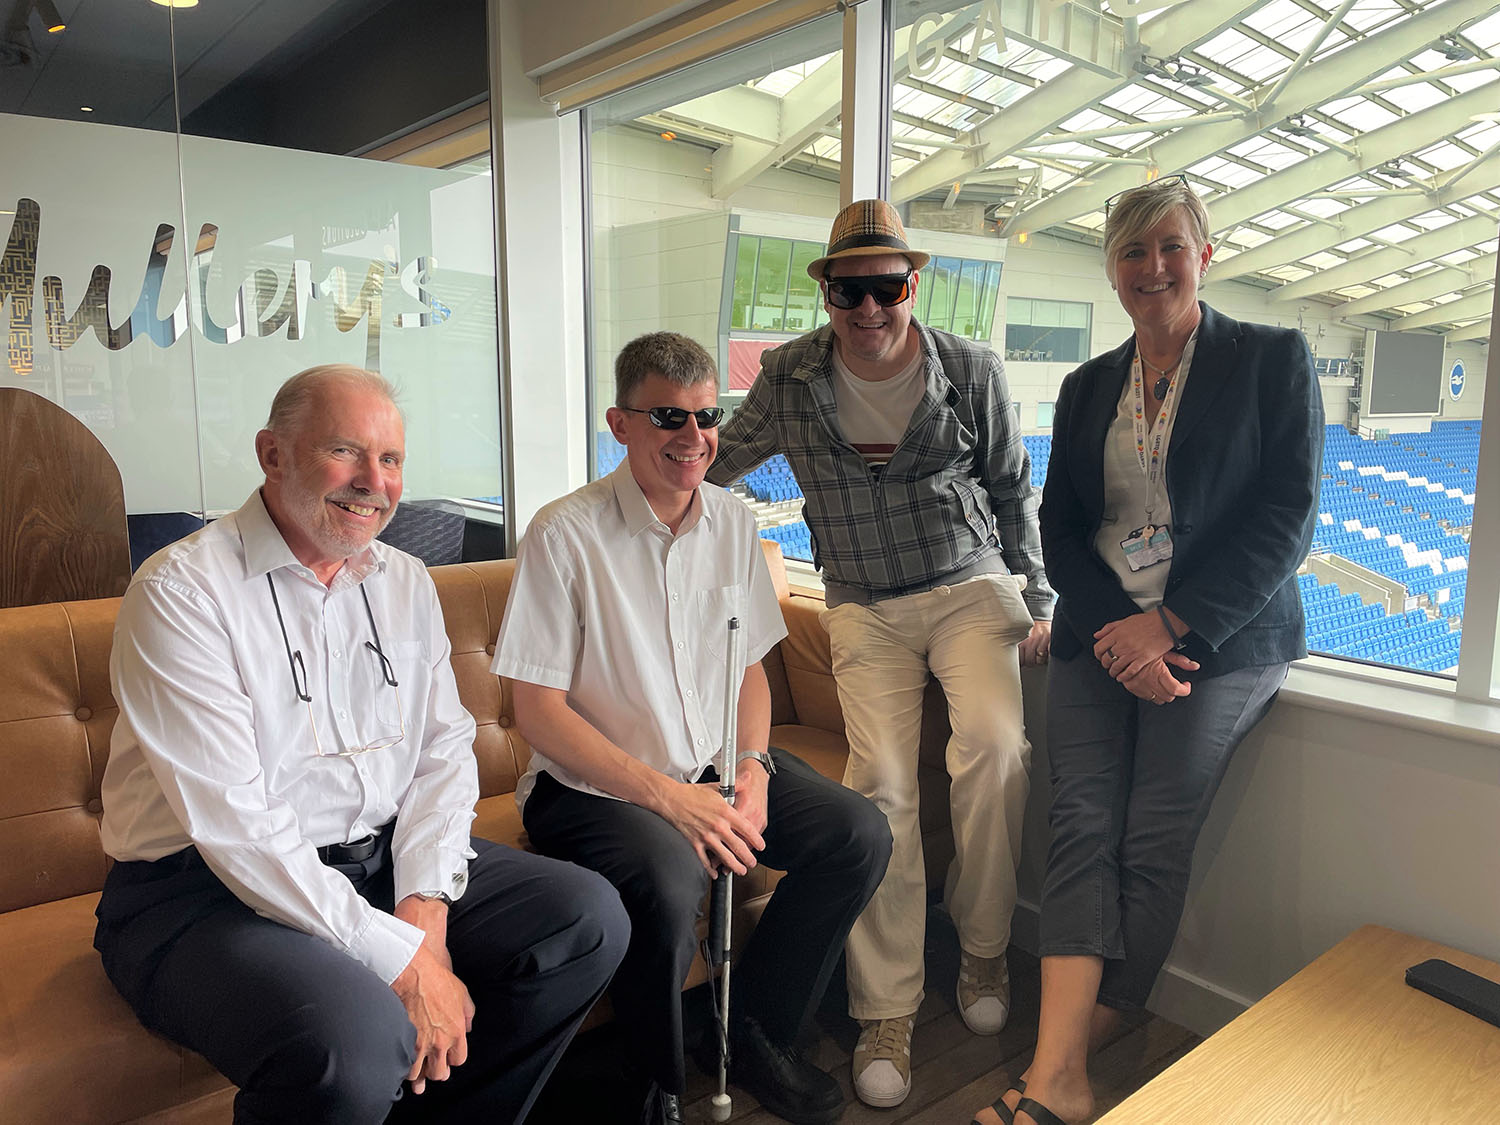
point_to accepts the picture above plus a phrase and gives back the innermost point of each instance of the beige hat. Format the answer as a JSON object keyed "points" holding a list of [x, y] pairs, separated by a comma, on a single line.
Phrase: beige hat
{"points": [[865, 228]]}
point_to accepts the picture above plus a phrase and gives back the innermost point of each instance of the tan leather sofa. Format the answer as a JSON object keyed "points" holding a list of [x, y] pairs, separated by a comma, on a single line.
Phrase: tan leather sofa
{"points": [[71, 1052]]}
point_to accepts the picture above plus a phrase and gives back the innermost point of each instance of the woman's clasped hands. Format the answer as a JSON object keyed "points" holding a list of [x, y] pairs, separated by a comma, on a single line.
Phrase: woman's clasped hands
{"points": [[1137, 652]]}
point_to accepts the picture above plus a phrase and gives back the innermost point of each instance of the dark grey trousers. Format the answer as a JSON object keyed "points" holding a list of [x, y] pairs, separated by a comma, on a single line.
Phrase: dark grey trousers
{"points": [[833, 845], [1132, 783], [309, 1034]]}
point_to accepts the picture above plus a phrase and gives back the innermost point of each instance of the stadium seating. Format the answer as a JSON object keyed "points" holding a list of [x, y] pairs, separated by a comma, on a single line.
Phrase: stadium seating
{"points": [[1399, 505]]}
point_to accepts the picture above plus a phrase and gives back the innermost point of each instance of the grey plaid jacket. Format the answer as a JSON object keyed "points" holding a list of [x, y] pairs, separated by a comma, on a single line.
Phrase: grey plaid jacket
{"points": [[956, 492]]}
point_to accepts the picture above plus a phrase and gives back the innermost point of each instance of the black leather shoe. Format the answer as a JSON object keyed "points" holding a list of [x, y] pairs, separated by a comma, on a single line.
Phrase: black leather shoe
{"points": [[781, 1079]]}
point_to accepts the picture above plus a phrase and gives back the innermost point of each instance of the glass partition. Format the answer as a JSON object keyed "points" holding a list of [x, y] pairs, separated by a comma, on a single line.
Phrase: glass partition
{"points": [[185, 238]]}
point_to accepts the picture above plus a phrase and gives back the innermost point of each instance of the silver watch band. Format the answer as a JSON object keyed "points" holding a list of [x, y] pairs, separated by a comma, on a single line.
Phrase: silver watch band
{"points": [[760, 756]]}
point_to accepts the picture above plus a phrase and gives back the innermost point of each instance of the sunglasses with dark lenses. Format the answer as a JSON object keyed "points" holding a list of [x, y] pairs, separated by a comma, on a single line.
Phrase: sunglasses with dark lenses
{"points": [[849, 292], [675, 417]]}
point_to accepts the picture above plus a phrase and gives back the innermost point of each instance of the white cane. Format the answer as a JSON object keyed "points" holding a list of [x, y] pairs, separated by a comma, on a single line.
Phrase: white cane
{"points": [[720, 898]]}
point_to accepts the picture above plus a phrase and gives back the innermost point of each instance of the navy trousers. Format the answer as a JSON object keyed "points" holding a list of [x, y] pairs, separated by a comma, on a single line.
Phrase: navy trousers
{"points": [[309, 1034], [1132, 783], [833, 845]]}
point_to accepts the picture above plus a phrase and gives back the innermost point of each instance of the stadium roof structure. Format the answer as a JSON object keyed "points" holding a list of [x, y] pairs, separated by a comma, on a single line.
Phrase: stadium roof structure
{"points": [[1349, 152]]}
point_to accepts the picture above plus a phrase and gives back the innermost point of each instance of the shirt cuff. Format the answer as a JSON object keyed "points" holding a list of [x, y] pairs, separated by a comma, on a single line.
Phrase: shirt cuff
{"points": [[386, 945], [1040, 608], [433, 870]]}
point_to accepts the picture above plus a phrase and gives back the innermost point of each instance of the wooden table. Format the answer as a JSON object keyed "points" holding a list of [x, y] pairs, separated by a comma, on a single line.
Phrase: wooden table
{"points": [[1345, 1041]]}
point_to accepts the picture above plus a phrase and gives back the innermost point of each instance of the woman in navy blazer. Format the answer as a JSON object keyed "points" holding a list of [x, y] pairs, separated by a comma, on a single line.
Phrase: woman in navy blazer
{"points": [[1180, 500]]}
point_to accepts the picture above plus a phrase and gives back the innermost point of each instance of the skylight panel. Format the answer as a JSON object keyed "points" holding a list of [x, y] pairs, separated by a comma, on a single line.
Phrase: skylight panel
{"points": [[1279, 18], [1323, 260], [1129, 100], [1411, 98], [1466, 82], [1485, 33], [1277, 220], [1369, 15], [1288, 272], [1050, 69], [1236, 175], [1458, 257], [1434, 220], [1396, 234], [1365, 115], [1227, 46], [1323, 208], [1353, 244], [1354, 292], [1261, 64], [1445, 156]]}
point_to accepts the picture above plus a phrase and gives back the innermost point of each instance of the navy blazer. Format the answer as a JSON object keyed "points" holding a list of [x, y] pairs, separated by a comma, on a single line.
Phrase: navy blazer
{"points": [[1242, 474]]}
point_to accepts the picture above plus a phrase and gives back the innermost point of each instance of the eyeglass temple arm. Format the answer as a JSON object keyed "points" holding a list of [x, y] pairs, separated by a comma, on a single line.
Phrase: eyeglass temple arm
{"points": [[385, 665]]}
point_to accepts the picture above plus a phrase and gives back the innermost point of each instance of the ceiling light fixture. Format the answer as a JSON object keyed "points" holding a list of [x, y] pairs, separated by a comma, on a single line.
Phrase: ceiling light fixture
{"points": [[1189, 75], [1297, 126], [1451, 49], [85, 109], [176, 3], [667, 135]]}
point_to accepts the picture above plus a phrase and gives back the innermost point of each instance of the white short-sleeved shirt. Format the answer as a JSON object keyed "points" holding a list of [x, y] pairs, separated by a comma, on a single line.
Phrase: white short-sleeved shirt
{"points": [[632, 621]]}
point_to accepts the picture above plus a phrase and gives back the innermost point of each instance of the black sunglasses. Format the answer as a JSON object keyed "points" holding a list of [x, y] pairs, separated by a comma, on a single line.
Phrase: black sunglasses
{"points": [[849, 292], [675, 417]]}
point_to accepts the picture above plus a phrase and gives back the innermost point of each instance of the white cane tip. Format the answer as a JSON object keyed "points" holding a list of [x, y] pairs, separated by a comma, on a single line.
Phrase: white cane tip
{"points": [[720, 1107]]}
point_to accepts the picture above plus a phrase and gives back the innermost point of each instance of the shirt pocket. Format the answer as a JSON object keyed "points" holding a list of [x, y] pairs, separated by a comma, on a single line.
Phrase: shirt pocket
{"points": [[408, 666], [715, 608]]}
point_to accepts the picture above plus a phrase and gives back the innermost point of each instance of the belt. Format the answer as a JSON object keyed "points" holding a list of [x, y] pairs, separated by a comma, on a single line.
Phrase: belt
{"points": [[355, 852]]}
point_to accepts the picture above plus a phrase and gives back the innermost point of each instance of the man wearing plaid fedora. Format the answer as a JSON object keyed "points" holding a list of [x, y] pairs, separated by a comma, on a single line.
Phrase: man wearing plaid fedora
{"points": [[924, 524]]}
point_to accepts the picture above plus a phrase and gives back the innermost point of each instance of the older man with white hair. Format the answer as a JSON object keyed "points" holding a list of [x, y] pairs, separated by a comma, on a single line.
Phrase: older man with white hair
{"points": [[288, 799]]}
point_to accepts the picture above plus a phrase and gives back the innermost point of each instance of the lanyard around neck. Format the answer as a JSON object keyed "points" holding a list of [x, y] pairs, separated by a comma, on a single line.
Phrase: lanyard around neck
{"points": [[1151, 446]]}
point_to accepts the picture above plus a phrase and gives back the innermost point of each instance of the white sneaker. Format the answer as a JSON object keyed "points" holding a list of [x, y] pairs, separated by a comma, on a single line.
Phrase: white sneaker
{"points": [[882, 1061], [983, 992]]}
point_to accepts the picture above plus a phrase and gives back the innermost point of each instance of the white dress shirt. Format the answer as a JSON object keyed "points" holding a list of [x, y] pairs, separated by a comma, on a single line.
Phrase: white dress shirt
{"points": [[214, 749], [632, 621]]}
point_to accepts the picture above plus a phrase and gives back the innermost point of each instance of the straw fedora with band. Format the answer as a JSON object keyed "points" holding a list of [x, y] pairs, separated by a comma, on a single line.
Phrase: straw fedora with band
{"points": [[863, 229]]}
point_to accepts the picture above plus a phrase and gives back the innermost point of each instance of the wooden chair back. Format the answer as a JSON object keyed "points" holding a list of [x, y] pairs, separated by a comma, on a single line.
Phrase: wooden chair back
{"points": [[63, 534]]}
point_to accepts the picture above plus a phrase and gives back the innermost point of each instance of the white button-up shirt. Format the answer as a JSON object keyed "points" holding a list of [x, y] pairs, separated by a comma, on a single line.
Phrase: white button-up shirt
{"points": [[632, 621], [214, 749]]}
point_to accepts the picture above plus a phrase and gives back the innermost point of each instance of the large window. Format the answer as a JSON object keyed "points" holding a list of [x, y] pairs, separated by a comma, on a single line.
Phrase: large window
{"points": [[1047, 331], [1346, 157], [189, 236], [711, 191], [958, 296]]}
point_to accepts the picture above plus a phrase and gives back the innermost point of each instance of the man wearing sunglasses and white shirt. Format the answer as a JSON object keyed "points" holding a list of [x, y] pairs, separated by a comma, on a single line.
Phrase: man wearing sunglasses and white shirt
{"points": [[615, 636], [924, 524], [288, 798]]}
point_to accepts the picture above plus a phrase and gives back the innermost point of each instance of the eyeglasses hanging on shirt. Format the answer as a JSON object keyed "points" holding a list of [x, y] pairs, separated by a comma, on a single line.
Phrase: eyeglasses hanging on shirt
{"points": [[299, 681]]}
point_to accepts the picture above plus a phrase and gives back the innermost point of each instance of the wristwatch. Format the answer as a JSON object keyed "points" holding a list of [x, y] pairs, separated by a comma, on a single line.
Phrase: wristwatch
{"points": [[431, 896], [760, 756]]}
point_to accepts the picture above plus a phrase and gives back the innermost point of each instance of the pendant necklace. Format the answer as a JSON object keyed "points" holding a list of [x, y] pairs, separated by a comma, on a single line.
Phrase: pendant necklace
{"points": [[1159, 388]]}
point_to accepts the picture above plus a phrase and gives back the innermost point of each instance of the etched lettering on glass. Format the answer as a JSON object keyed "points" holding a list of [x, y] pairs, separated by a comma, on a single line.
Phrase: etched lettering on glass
{"points": [[262, 306]]}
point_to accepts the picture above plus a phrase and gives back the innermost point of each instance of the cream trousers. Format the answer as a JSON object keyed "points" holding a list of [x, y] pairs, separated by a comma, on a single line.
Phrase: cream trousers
{"points": [[966, 636]]}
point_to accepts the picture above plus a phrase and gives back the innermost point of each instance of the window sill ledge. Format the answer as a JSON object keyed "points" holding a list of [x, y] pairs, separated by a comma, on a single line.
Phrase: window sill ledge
{"points": [[1392, 697]]}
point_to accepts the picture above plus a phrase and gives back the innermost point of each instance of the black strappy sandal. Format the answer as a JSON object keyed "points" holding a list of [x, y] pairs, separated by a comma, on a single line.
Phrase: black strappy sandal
{"points": [[1038, 1112], [1006, 1114]]}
